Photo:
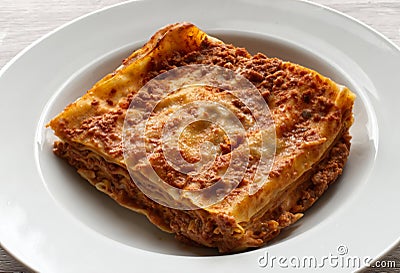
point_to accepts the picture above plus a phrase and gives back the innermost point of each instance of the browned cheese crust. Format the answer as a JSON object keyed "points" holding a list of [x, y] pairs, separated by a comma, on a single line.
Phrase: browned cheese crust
{"points": [[312, 117]]}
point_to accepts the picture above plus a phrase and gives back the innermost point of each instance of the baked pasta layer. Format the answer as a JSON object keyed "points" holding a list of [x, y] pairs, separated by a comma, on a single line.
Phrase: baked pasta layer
{"points": [[312, 117]]}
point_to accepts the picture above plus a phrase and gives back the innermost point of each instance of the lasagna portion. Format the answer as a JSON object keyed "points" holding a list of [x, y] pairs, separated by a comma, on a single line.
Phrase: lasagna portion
{"points": [[312, 116]]}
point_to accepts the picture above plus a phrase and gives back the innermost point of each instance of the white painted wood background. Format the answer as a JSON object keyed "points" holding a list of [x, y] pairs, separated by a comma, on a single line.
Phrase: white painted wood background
{"points": [[24, 21]]}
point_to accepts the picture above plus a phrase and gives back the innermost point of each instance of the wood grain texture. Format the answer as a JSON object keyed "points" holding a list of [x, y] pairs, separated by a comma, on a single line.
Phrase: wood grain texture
{"points": [[24, 21]]}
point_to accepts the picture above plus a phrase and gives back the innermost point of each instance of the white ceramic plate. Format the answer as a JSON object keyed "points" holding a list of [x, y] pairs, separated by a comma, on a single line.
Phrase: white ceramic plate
{"points": [[55, 222]]}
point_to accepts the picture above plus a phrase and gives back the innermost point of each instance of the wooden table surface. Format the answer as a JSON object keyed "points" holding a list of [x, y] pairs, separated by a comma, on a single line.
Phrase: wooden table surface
{"points": [[24, 21]]}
